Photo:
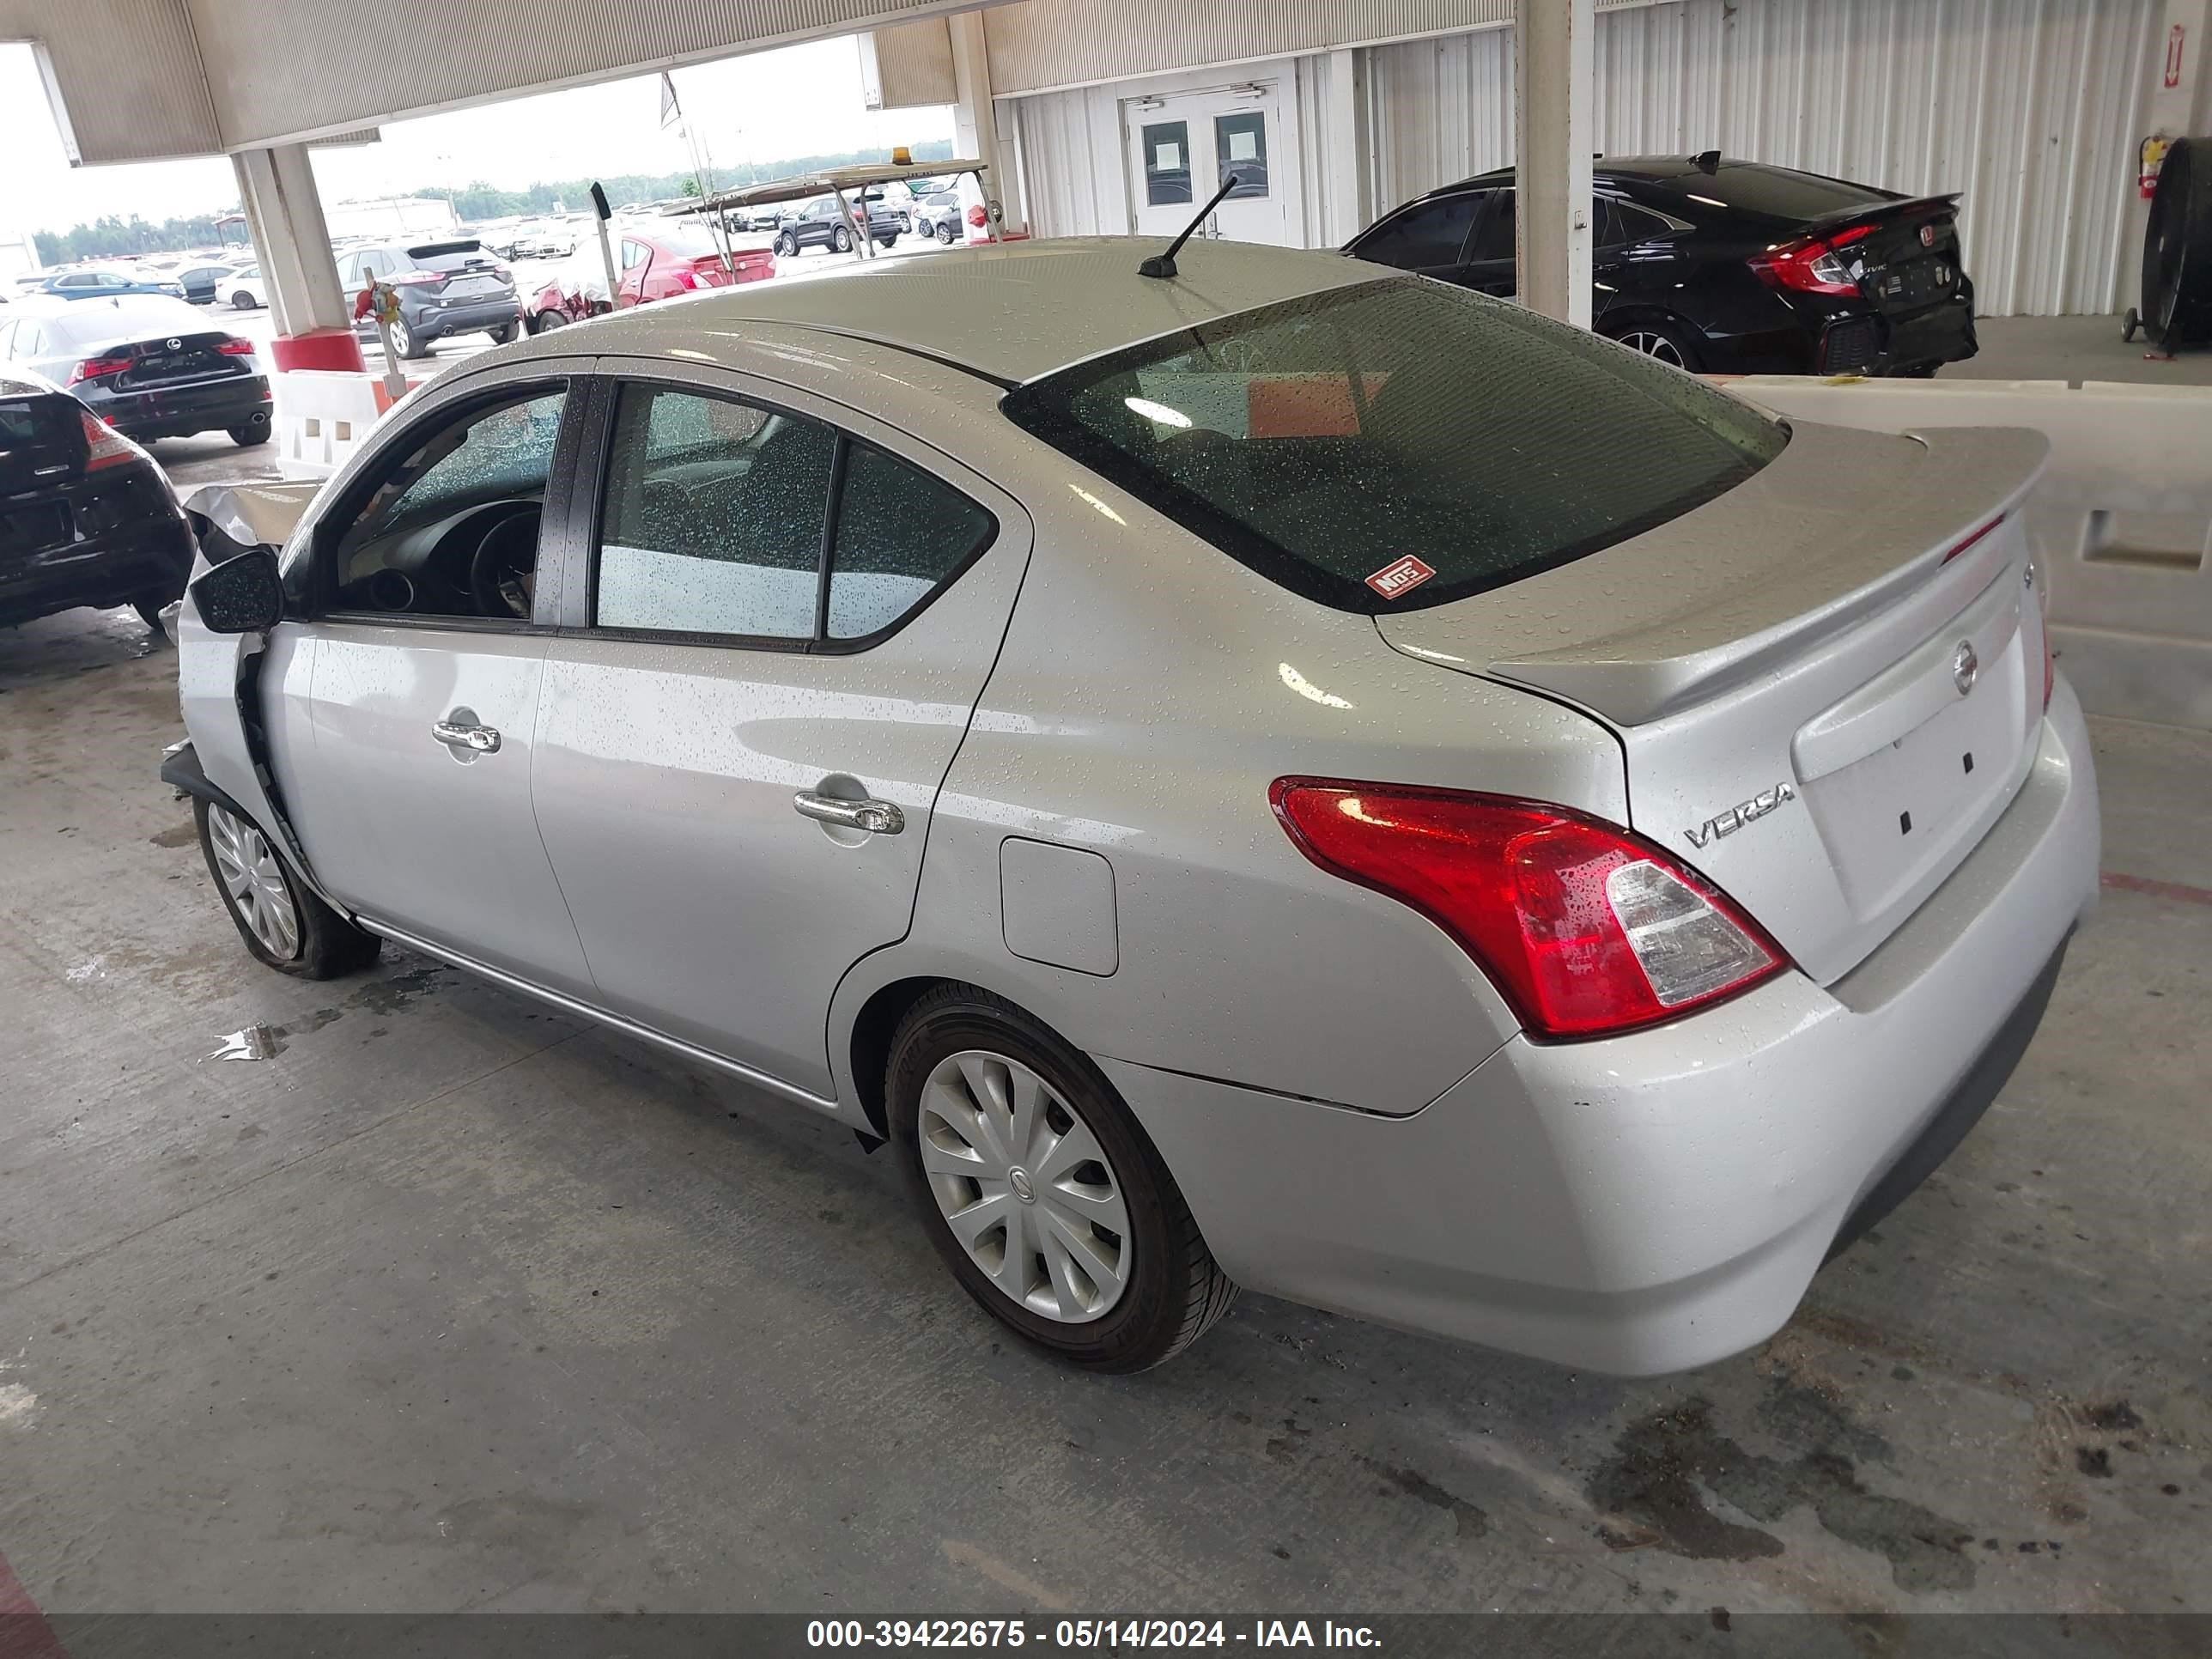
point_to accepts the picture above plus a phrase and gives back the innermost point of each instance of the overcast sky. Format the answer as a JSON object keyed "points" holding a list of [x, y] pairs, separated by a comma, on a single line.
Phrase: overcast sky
{"points": [[800, 100]]}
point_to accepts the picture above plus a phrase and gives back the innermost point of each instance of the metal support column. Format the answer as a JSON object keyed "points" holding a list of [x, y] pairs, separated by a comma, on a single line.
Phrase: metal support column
{"points": [[1554, 86], [315, 318]]}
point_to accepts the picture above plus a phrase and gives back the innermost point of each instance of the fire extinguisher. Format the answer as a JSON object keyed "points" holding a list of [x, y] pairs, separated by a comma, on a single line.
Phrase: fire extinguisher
{"points": [[2149, 158]]}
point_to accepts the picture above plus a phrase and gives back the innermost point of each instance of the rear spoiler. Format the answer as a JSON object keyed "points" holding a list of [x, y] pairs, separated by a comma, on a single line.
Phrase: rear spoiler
{"points": [[1875, 212]]}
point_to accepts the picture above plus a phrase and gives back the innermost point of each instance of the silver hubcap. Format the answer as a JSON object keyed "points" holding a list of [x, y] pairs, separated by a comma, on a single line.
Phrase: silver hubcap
{"points": [[255, 882], [1655, 345], [1024, 1185]]}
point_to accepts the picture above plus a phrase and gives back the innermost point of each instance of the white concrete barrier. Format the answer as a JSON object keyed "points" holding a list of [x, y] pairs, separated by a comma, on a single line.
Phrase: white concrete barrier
{"points": [[323, 416], [2122, 525]]}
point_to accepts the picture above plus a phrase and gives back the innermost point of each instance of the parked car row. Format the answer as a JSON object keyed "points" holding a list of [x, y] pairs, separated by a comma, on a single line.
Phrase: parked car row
{"points": [[1725, 266], [659, 261], [146, 365]]}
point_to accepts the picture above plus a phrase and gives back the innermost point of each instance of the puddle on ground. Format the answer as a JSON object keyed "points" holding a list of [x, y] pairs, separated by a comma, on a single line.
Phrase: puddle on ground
{"points": [[379, 996]]}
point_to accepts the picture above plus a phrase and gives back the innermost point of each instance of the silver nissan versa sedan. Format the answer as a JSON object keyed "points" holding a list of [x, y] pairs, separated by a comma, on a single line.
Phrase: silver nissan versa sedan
{"points": [[1288, 773]]}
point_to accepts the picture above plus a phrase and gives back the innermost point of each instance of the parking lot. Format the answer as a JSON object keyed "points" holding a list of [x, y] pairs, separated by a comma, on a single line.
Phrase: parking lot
{"points": [[451, 1303]]}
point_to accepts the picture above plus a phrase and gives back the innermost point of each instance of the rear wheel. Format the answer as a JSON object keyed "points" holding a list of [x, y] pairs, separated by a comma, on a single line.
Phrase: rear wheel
{"points": [[1039, 1190], [788, 245], [545, 321], [404, 341], [842, 239], [241, 301], [944, 232], [251, 432], [502, 334], [1668, 341], [283, 925]]}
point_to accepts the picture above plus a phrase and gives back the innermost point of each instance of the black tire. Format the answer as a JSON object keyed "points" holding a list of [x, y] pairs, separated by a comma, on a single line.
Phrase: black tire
{"points": [[1175, 1291], [842, 239], [252, 433], [242, 301], [944, 232], [502, 334], [787, 245], [404, 342], [890, 241], [1640, 334], [2129, 324], [329, 945], [150, 607], [546, 321]]}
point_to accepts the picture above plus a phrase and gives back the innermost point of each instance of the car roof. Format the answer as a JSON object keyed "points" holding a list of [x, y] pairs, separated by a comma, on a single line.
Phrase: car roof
{"points": [[1010, 312]]}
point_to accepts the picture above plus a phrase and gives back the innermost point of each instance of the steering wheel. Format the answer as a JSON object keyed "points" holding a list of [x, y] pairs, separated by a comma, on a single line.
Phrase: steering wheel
{"points": [[503, 569]]}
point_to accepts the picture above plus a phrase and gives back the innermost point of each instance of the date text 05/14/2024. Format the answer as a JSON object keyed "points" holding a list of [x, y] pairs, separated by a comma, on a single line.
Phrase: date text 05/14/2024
{"points": [[1108, 1633]]}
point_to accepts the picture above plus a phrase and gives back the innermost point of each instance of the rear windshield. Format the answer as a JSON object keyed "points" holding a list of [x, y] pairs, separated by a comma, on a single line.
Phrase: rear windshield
{"points": [[443, 256], [1344, 443], [694, 241], [1780, 192]]}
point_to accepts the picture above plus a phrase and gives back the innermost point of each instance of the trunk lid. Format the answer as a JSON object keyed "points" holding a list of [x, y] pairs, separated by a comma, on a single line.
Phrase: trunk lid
{"points": [[1909, 257], [1783, 667], [174, 360]]}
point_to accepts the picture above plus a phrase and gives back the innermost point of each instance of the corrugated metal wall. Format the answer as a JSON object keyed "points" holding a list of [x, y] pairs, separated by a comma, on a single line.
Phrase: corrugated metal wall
{"points": [[1069, 150], [2030, 108]]}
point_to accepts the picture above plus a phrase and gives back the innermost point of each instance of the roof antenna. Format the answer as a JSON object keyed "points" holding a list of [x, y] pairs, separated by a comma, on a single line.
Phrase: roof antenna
{"points": [[1163, 264]]}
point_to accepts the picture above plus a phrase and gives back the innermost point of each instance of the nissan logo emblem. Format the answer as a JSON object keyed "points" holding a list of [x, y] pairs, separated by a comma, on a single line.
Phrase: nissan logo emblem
{"points": [[1965, 665]]}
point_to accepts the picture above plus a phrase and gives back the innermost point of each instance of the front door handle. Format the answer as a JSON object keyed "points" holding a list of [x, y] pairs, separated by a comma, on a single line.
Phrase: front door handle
{"points": [[877, 818], [466, 734]]}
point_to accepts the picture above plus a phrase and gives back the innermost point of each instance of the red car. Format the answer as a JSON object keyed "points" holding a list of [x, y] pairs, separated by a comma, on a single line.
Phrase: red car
{"points": [[655, 265]]}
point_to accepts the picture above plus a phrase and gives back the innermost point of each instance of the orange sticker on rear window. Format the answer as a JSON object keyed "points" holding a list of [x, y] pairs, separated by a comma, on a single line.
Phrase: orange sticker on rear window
{"points": [[1394, 580]]}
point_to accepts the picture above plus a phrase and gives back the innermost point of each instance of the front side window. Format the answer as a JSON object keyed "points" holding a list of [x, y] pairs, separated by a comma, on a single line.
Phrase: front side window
{"points": [[1321, 440], [450, 527], [715, 517]]}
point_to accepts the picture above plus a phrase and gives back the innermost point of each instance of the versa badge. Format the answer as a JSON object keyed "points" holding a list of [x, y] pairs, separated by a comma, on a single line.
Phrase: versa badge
{"points": [[1728, 823]]}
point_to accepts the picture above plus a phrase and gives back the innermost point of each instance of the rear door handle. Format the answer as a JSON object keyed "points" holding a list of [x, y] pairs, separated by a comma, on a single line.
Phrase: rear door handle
{"points": [[464, 734], [877, 818]]}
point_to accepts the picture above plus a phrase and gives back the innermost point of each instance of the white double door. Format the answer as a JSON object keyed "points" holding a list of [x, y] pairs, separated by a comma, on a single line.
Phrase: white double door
{"points": [[1182, 147]]}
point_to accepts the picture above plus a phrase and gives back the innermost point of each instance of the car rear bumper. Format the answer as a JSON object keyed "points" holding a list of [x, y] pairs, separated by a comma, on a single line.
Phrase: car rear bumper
{"points": [[149, 557], [436, 322], [177, 411], [1656, 1202]]}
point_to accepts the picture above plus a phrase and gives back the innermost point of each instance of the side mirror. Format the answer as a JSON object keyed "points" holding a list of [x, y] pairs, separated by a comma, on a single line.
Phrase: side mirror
{"points": [[243, 595]]}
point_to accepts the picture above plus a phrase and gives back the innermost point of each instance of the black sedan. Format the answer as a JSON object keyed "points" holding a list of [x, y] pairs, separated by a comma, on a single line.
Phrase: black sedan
{"points": [[148, 365], [86, 518], [1726, 266]]}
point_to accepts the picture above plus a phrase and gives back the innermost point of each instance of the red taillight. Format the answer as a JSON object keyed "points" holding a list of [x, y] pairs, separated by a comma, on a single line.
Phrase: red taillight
{"points": [[1811, 265], [232, 346], [1972, 539], [1584, 928], [92, 368], [977, 217], [105, 447], [415, 278]]}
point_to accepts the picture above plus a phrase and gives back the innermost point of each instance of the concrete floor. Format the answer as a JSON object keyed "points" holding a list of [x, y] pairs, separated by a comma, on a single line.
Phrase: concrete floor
{"points": [[452, 1304], [2073, 349]]}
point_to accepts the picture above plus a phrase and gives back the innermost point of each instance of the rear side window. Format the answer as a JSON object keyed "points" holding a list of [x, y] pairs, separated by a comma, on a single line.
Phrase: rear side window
{"points": [[1423, 236], [714, 517], [724, 518], [900, 532], [1326, 441]]}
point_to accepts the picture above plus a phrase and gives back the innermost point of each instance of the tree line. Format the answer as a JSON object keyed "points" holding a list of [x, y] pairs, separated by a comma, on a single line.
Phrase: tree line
{"points": [[109, 236]]}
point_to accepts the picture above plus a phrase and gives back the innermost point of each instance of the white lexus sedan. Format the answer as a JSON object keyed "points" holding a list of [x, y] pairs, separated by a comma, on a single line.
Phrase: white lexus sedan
{"points": [[1286, 773]]}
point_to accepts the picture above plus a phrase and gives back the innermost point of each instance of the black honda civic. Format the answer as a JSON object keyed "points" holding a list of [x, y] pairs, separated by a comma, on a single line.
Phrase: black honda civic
{"points": [[1725, 266], [86, 518]]}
